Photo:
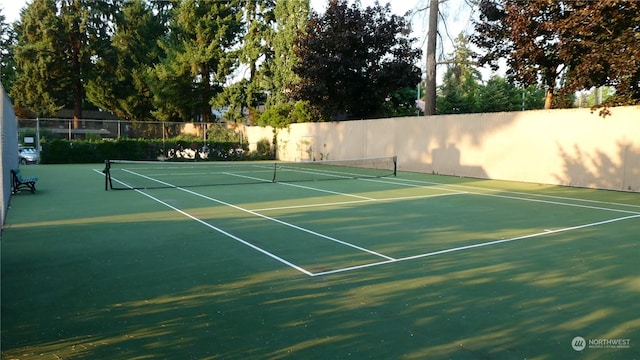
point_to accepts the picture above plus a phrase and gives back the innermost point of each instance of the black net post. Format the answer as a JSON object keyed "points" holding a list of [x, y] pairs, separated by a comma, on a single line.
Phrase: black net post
{"points": [[395, 165], [107, 175], [275, 166]]}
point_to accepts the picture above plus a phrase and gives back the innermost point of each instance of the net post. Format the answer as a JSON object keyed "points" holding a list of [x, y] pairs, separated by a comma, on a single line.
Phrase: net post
{"points": [[275, 166], [107, 175], [395, 165]]}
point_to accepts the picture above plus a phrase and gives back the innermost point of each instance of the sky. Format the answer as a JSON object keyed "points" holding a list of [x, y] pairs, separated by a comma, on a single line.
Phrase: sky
{"points": [[11, 9]]}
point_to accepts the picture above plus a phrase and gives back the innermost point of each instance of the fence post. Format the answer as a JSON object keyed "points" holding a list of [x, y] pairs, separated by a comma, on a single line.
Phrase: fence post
{"points": [[38, 146]]}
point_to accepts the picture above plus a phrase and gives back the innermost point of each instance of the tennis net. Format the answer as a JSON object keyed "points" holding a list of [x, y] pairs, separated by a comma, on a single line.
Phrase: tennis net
{"points": [[124, 174]]}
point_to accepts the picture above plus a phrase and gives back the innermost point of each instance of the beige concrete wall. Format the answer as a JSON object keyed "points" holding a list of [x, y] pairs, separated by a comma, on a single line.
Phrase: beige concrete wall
{"points": [[255, 134], [566, 147]]}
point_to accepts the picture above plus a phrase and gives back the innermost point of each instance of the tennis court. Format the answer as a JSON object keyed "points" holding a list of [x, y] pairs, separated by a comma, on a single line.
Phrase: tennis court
{"points": [[372, 264]]}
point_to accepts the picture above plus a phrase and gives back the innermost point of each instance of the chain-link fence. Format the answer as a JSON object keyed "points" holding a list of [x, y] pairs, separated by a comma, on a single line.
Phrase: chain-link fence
{"points": [[155, 140], [85, 129]]}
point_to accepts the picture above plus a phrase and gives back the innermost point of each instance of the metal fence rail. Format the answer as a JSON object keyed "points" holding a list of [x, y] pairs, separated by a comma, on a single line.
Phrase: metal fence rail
{"points": [[199, 137], [91, 129]]}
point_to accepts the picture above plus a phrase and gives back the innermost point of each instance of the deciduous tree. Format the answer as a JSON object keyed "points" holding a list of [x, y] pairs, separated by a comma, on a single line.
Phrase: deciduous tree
{"points": [[568, 45], [352, 59], [120, 85], [524, 34], [200, 53], [601, 47]]}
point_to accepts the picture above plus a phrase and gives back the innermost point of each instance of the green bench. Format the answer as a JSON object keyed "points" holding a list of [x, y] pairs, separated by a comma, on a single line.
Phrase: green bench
{"points": [[18, 182]]}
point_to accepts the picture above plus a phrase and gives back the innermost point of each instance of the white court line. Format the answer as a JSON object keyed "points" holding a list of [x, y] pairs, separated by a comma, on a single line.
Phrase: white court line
{"points": [[244, 242], [397, 182], [302, 187], [529, 199], [534, 195], [393, 260], [268, 218], [287, 224], [461, 248], [365, 199], [339, 203], [455, 192], [215, 228], [260, 180], [327, 191]]}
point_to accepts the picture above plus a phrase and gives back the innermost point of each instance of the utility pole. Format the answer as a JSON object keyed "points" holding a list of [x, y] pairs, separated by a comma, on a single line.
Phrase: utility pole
{"points": [[430, 83]]}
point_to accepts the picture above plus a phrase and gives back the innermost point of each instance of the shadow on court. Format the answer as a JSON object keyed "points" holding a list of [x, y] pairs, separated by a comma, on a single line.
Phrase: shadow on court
{"points": [[113, 275]]}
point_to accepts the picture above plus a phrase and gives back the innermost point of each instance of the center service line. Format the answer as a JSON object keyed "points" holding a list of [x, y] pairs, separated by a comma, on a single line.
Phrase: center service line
{"points": [[244, 242], [269, 218]]}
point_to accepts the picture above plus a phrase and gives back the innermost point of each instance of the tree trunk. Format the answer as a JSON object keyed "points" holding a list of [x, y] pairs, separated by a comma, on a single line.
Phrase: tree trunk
{"points": [[78, 89], [250, 93], [75, 39], [77, 104], [206, 95], [548, 102], [430, 82]]}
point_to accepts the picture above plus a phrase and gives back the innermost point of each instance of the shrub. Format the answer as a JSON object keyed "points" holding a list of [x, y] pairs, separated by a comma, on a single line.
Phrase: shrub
{"points": [[82, 151], [264, 150]]}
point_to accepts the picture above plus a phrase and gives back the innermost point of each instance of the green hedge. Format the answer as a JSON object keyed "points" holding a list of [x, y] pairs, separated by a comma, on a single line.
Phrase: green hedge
{"points": [[81, 151]]}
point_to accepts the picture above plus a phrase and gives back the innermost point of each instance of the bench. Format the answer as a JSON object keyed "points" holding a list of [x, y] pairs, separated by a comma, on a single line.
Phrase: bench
{"points": [[18, 182]]}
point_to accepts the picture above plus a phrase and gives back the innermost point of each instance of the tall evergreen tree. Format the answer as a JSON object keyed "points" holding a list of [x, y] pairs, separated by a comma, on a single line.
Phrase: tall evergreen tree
{"points": [[43, 78], [259, 18], [460, 88], [57, 42], [120, 84], [291, 17], [289, 20], [499, 95], [199, 58], [7, 63]]}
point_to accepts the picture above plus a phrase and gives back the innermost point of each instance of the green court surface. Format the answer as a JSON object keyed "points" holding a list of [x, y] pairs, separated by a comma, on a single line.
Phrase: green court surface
{"points": [[412, 266]]}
